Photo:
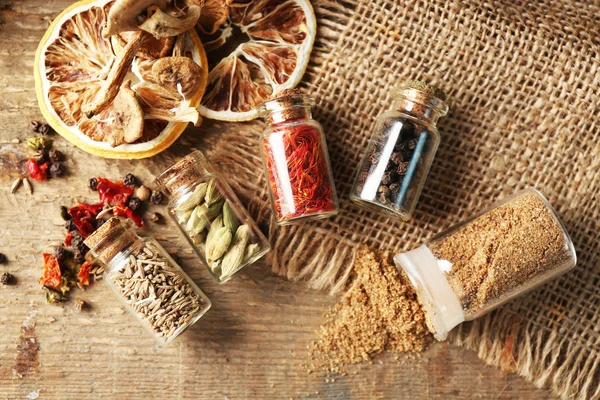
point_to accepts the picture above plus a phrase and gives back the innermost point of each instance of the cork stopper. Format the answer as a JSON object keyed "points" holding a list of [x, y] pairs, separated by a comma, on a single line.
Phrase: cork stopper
{"points": [[110, 239], [425, 87], [184, 173], [289, 104]]}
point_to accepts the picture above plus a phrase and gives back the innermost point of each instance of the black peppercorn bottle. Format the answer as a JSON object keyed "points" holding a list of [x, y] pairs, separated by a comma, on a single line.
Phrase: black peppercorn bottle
{"points": [[401, 150]]}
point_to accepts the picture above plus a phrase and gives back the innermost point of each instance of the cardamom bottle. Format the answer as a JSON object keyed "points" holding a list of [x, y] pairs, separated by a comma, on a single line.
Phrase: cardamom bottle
{"points": [[211, 217]]}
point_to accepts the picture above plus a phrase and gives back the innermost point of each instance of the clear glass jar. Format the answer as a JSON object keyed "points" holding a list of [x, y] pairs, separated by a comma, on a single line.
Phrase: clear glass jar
{"points": [[401, 150], [145, 278], [500, 253], [211, 217], [296, 161]]}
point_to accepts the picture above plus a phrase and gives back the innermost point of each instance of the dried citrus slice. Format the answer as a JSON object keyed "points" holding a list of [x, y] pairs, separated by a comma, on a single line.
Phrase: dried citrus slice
{"points": [[73, 61], [279, 38]]}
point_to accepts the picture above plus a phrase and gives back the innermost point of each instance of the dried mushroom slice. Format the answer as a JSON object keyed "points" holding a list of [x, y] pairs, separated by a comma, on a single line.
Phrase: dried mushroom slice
{"points": [[179, 74], [160, 24], [151, 47], [126, 15], [127, 123], [116, 75]]}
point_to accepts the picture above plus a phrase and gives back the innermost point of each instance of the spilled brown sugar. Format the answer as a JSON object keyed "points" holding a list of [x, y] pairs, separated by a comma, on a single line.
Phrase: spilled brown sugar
{"points": [[378, 312]]}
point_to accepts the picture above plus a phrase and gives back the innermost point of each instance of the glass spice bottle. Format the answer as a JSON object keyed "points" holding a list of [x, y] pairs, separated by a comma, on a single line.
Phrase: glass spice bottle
{"points": [[500, 253], [145, 278], [211, 216], [401, 150], [296, 160]]}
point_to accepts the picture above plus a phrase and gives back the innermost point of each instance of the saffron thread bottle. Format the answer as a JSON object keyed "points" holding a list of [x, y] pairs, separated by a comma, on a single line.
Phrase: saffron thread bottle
{"points": [[296, 160]]}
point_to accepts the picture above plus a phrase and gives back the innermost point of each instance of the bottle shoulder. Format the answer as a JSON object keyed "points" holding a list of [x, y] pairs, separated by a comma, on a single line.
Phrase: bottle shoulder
{"points": [[391, 117]]}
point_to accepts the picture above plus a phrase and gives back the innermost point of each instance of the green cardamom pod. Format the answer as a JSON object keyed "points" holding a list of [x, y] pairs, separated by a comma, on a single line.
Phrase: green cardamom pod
{"points": [[194, 199], [230, 220], [184, 216], [213, 194], [251, 250], [219, 244], [215, 264], [198, 220], [214, 227], [235, 255], [38, 143]]}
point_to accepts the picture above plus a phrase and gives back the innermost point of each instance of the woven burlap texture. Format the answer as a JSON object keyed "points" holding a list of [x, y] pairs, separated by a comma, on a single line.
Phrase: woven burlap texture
{"points": [[523, 83]]}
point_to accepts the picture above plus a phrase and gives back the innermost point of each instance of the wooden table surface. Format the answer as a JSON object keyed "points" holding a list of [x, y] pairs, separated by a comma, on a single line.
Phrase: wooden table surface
{"points": [[251, 344]]}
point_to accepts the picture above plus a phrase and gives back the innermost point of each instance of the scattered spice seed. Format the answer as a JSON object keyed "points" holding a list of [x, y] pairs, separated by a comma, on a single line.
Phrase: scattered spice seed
{"points": [[143, 193], [107, 212], [64, 213], [378, 312], [61, 254], [38, 143], [134, 203], [156, 197], [44, 129], [27, 185], [41, 156], [70, 226], [34, 126], [6, 278], [130, 180], [15, 185], [156, 217], [80, 305], [56, 155], [93, 184], [3, 259], [57, 170]]}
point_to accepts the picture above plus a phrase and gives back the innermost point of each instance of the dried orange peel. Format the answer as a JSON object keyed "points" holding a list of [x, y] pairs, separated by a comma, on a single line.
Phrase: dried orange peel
{"points": [[74, 61], [280, 35]]}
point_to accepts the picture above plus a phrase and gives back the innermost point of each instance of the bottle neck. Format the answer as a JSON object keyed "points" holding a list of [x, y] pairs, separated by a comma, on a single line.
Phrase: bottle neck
{"points": [[111, 241], [288, 114], [418, 110]]}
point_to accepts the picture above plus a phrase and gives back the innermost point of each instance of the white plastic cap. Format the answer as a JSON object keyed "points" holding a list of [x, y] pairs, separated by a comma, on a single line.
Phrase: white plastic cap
{"points": [[441, 305]]}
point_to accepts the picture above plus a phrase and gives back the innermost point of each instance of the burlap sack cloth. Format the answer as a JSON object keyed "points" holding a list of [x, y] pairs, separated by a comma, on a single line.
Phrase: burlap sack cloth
{"points": [[523, 82]]}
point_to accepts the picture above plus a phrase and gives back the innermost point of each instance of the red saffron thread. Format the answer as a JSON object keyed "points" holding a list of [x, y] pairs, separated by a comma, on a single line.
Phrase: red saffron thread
{"points": [[298, 173]]}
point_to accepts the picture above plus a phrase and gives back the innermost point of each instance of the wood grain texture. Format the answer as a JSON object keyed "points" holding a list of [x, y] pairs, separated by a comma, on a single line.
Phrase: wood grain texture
{"points": [[251, 344]]}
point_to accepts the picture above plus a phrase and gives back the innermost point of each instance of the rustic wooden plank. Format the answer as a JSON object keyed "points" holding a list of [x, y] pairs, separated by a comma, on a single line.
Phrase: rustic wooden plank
{"points": [[252, 344]]}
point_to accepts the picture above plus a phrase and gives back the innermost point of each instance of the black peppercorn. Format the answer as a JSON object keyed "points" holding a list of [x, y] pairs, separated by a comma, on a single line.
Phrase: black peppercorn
{"points": [[57, 170], [56, 155], [34, 126], [156, 218], [44, 129], [2, 259], [93, 184], [64, 213], [61, 254], [130, 180], [79, 257], [134, 203], [78, 245], [70, 226], [6, 278], [156, 197], [40, 156]]}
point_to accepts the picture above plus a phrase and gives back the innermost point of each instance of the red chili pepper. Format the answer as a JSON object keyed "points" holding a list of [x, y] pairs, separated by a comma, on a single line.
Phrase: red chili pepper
{"points": [[298, 172], [129, 213], [84, 217], [68, 239], [52, 275], [84, 273], [113, 193], [37, 172]]}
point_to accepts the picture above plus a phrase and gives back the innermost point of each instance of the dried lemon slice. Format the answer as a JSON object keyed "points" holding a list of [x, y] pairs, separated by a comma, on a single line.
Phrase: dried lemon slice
{"points": [[280, 35], [74, 60]]}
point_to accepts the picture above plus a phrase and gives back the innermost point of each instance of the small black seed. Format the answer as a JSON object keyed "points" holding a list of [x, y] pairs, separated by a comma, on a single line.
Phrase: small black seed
{"points": [[61, 254], [93, 184], [6, 278], [3, 259], [57, 170], [130, 180], [56, 155], [70, 226], [156, 197], [44, 129], [134, 203]]}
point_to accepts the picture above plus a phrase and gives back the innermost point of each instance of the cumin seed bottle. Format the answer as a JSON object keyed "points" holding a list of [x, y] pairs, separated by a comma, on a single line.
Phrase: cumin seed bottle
{"points": [[146, 280], [401, 150]]}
